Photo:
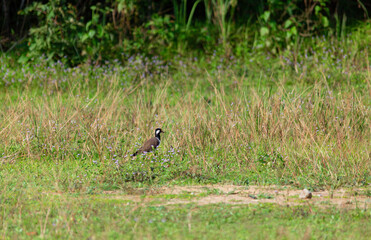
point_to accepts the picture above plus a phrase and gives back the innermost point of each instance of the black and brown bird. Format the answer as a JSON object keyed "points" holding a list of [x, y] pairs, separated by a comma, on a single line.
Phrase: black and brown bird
{"points": [[151, 143]]}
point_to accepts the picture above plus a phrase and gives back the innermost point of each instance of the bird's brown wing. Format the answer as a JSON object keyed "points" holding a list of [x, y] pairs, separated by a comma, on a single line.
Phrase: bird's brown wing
{"points": [[148, 146]]}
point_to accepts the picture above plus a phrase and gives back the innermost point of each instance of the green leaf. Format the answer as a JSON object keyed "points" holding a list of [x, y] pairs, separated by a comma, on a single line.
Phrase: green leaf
{"points": [[268, 43], [325, 21], [288, 35], [88, 25], [288, 23], [91, 33], [294, 31], [100, 31], [23, 59], [266, 15], [120, 6], [264, 31], [84, 37], [317, 9]]}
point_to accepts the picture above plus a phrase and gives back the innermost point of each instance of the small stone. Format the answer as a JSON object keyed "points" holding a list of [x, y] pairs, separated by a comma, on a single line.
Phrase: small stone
{"points": [[306, 194]]}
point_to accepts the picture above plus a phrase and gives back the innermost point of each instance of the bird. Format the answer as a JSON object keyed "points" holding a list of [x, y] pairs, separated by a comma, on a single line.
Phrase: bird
{"points": [[151, 143]]}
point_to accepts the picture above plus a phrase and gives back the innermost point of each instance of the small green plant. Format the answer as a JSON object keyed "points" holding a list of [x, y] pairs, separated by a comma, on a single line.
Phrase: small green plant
{"points": [[264, 196], [97, 39], [223, 15]]}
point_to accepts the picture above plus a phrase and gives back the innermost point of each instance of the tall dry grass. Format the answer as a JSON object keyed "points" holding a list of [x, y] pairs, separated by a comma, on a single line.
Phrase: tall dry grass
{"points": [[309, 135]]}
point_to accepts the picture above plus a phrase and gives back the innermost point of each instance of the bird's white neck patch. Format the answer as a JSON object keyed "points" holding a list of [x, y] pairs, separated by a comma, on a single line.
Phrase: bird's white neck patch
{"points": [[158, 132]]}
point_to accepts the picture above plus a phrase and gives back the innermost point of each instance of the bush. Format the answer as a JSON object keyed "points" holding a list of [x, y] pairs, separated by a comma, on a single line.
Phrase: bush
{"points": [[90, 32]]}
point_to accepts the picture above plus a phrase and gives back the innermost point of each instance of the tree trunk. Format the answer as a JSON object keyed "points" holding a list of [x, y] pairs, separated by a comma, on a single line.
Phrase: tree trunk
{"points": [[5, 27]]}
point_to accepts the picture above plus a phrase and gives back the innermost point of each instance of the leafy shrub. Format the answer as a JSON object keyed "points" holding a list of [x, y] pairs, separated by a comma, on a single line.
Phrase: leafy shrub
{"points": [[97, 39], [56, 34], [61, 35], [283, 22], [75, 33]]}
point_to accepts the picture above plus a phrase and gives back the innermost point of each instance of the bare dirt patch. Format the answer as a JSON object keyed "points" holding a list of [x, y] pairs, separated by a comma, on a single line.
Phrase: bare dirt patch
{"points": [[230, 194]]}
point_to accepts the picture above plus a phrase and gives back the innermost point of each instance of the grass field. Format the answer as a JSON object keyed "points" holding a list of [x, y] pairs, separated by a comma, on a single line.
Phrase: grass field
{"points": [[81, 216], [301, 120]]}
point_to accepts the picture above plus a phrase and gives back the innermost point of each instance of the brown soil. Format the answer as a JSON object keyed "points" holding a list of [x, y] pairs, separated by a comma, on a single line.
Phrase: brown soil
{"points": [[230, 194]]}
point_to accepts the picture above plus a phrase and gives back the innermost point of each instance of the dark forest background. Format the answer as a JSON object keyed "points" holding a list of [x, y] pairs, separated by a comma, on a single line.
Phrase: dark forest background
{"points": [[85, 31]]}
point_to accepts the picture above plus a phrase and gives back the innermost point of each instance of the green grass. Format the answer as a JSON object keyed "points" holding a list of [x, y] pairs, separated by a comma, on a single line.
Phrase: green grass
{"points": [[26, 215], [309, 135], [260, 120]]}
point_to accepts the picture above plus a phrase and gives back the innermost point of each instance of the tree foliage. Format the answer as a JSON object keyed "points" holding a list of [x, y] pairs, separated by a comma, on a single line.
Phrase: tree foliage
{"points": [[90, 31]]}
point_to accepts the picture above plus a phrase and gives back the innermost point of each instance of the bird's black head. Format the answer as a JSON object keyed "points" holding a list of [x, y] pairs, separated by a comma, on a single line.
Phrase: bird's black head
{"points": [[158, 131]]}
